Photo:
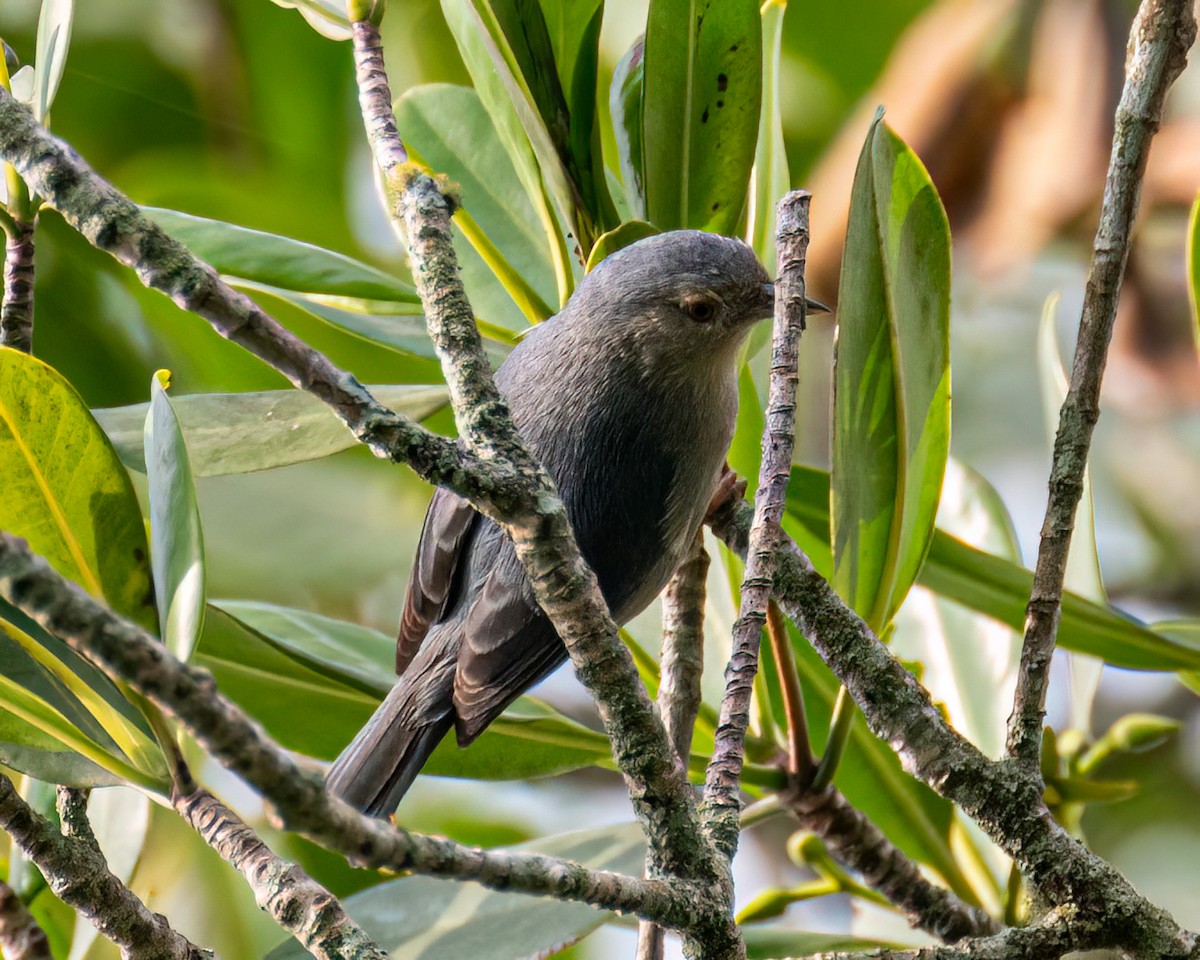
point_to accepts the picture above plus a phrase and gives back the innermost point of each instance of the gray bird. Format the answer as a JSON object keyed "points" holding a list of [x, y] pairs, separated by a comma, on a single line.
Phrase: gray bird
{"points": [[628, 397]]}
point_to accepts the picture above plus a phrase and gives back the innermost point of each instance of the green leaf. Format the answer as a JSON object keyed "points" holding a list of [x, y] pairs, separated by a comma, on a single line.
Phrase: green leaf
{"points": [[1083, 560], [243, 432], [449, 129], [609, 243], [436, 919], [277, 657], [78, 690], [765, 943], [46, 732], [625, 105], [995, 587], [1193, 266], [53, 39], [509, 103], [176, 540], [745, 450], [276, 261], [302, 709], [891, 380], [702, 96], [65, 490], [771, 179]]}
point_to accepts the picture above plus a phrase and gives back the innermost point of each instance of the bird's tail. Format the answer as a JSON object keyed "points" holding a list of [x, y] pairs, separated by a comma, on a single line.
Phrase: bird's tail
{"points": [[376, 770]]}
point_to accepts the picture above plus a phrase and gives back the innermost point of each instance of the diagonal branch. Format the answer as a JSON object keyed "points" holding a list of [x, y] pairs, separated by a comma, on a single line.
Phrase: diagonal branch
{"points": [[1162, 33], [722, 788], [20, 936], [78, 874], [299, 797], [299, 904]]}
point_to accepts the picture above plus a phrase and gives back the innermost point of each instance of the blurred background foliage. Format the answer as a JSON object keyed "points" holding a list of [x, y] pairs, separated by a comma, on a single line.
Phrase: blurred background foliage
{"points": [[238, 110]]}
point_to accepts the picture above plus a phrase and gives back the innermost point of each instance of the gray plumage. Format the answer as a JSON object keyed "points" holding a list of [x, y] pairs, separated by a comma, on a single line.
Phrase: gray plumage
{"points": [[628, 396]]}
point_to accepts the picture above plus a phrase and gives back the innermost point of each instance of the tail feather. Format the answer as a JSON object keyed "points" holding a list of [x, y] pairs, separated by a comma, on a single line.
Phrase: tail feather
{"points": [[375, 771]]}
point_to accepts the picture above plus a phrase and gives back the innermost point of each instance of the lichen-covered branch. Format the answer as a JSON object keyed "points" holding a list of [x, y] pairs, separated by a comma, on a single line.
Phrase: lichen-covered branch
{"points": [[20, 936], [861, 846], [16, 313], [78, 874], [679, 693], [722, 788], [298, 903], [998, 795], [298, 797], [1162, 33]]}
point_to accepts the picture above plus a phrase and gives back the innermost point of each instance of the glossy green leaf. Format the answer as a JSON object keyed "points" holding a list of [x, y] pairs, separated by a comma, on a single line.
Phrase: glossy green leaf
{"points": [[77, 689], [625, 105], [449, 129], [510, 104], [46, 732], [891, 415], [176, 540], [281, 657], [276, 261], [770, 179], [1083, 561], [53, 39], [631, 231], [701, 102], [65, 490], [243, 432], [435, 919], [745, 450], [1193, 266], [996, 587]]}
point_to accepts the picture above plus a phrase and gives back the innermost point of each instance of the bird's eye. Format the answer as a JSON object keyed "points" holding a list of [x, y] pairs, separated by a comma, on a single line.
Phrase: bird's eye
{"points": [[700, 310]]}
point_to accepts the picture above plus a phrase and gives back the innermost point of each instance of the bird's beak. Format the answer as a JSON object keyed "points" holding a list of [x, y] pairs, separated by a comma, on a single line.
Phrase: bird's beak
{"points": [[810, 305]]}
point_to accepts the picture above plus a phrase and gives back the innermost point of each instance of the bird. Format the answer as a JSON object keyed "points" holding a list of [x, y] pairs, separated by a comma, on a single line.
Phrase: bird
{"points": [[628, 397]]}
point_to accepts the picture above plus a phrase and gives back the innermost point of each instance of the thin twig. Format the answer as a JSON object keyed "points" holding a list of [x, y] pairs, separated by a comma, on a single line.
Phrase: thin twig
{"points": [[299, 904], [20, 936], [801, 764], [78, 874], [1162, 33], [16, 314], [679, 693], [722, 803], [299, 797]]}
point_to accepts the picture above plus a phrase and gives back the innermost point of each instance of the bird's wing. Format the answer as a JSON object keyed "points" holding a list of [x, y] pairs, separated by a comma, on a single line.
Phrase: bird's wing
{"points": [[436, 578], [507, 645]]}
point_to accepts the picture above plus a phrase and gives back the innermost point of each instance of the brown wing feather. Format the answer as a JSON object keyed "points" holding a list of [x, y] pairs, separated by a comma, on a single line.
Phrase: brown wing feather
{"points": [[435, 579]]}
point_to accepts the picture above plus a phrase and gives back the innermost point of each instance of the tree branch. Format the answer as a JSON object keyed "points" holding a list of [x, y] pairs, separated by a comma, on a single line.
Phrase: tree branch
{"points": [[722, 800], [78, 874], [1004, 801], [679, 694], [1162, 33], [16, 314], [20, 936], [298, 797], [298, 903]]}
